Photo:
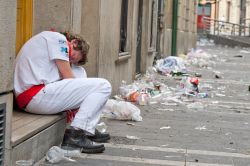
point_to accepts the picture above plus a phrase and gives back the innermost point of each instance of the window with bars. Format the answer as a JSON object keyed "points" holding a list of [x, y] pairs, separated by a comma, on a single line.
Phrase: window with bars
{"points": [[2, 132], [123, 26]]}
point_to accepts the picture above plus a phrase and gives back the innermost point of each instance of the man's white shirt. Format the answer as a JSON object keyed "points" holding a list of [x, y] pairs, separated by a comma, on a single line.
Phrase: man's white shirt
{"points": [[35, 63]]}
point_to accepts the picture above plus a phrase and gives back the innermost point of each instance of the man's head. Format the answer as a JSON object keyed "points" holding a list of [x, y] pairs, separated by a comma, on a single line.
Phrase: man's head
{"points": [[79, 48]]}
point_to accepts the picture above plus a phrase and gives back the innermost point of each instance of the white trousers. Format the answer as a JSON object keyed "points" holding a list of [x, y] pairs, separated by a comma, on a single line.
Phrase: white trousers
{"points": [[87, 94]]}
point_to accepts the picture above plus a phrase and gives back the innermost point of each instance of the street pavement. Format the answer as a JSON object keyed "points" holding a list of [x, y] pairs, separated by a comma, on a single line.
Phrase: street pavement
{"points": [[218, 133]]}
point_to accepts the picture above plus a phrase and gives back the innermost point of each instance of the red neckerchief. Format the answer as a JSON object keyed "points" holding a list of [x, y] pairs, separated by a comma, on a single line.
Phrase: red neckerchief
{"points": [[70, 48]]}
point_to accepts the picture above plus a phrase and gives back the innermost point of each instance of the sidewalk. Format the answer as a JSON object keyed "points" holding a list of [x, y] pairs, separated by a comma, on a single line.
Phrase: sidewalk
{"points": [[217, 134], [232, 41]]}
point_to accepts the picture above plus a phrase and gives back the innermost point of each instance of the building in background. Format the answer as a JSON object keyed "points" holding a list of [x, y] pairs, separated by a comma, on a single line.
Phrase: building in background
{"points": [[229, 11]]}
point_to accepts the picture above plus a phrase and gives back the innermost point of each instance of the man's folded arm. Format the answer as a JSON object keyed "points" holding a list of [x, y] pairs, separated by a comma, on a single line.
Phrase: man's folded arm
{"points": [[64, 69]]}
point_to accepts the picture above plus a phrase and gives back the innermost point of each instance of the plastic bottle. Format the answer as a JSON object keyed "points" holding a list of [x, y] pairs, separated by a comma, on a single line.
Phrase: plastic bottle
{"points": [[143, 99], [202, 95], [122, 89], [133, 96]]}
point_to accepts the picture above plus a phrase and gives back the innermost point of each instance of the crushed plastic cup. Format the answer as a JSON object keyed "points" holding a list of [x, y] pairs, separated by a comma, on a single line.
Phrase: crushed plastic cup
{"points": [[102, 127], [24, 163], [142, 99], [202, 95]]}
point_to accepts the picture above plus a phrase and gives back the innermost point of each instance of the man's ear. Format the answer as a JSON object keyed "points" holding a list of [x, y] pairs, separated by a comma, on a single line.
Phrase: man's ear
{"points": [[74, 42]]}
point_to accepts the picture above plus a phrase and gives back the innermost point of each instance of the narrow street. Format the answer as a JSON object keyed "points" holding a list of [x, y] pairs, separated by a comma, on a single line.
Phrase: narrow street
{"points": [[211, 134]]}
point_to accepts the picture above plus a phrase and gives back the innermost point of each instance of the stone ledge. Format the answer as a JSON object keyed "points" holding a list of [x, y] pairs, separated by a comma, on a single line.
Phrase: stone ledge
{"points": [[25, 125], [35, 144]]}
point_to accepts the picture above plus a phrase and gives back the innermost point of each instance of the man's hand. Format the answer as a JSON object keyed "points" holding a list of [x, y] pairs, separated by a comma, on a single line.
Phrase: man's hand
{"points": [[64, 68]]}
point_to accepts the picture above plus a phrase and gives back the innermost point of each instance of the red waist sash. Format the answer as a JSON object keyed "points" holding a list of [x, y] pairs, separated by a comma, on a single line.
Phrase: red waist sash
{"points": [[24, 98]]}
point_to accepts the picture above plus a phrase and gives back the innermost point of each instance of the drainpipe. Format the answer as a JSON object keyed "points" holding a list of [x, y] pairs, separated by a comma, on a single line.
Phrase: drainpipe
{"points": [[241, 16], [174, 27]]}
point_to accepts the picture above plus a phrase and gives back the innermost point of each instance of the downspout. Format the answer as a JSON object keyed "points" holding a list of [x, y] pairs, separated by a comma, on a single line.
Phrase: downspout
{"points": [[241, 16], [174, 27]]}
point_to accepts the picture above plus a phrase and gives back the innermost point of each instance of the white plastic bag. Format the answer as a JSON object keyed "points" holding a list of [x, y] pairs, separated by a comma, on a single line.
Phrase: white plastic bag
{"points": [[121, 110], [169, 64]]}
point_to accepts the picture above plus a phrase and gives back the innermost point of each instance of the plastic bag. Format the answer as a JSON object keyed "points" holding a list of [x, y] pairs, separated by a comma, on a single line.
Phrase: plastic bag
{"points": [[121, 110], [169, 64]]}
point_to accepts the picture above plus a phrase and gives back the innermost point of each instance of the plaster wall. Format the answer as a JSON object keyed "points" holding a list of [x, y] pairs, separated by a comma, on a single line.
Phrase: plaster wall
{"points": [[49, 14], [7, 44], [90, 30], [186, 26], [166, 43], [194, 39], [166, 35], [180, 42], [168, 14]]}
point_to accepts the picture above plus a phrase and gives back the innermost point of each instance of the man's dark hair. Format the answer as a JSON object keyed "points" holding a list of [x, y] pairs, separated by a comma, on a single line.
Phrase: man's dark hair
{"points": [[81, 45]]}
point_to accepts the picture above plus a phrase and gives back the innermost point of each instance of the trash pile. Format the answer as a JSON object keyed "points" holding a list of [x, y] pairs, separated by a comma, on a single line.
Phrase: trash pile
{"points": [[142, 91], [149, 89], [200, 58]]}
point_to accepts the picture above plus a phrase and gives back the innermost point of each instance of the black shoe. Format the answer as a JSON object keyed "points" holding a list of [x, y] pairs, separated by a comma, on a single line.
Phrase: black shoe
{"points": [[77, 139], [99, 137]]}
